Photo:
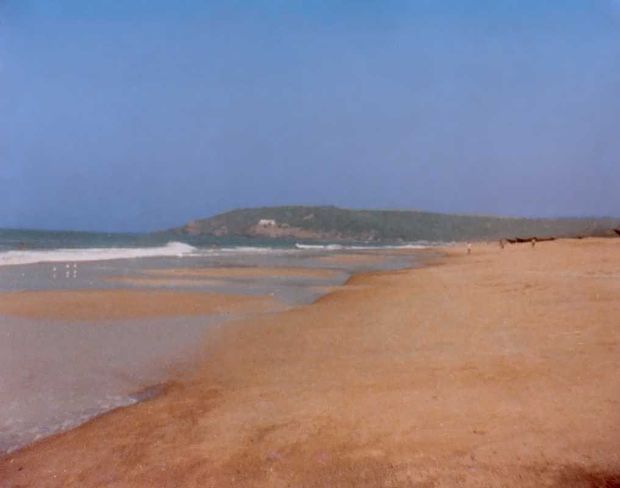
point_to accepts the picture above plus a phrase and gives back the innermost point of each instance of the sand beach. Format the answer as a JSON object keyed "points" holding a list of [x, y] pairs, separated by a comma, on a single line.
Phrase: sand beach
{"points": [[309, 244], [498, 368], [80, 305]]}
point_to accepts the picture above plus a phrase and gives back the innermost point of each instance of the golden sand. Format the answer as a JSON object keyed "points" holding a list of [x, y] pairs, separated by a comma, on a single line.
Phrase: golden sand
{"points": [[125, 304], [496, 369]]}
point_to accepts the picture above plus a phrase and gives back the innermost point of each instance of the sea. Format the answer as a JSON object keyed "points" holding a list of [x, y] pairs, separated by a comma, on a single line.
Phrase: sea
{"points": [[55, 375], [34, 246]]}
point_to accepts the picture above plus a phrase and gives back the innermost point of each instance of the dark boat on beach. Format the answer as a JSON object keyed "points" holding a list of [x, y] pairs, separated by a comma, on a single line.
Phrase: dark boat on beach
{"points": [[523, 240]]}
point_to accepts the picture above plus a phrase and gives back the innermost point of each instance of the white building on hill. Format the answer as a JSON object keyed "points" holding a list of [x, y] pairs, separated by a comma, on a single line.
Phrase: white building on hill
{"points": [[267, 223]]}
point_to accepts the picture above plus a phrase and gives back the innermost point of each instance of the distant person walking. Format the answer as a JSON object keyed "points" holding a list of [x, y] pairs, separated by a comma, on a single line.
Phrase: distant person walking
{"points": [[501, 243], [469, 248], [534, 242]]}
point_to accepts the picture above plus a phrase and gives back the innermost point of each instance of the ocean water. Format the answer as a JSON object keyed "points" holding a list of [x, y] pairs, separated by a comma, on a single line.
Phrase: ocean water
{"points": [[55, 375], [42, 239], [32, 246]]}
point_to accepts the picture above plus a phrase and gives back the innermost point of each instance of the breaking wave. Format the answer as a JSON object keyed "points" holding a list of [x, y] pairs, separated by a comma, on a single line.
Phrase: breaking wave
{"points": [[171, 249], [339, 247]]}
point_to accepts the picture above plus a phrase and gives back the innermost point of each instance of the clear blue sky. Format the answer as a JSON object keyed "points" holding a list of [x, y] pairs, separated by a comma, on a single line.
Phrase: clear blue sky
{"points": [[143, 114]]}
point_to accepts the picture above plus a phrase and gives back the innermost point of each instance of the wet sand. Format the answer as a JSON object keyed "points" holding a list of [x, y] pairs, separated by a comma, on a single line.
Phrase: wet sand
{"points": [[494, 369], [82, 305], [75, 346], [162, 282], [217, 277], [59, 374], [249, 272], [69, 355], [360, 258]]}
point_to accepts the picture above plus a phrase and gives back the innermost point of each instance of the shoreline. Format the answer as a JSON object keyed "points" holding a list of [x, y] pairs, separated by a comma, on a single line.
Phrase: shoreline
{"points": [[32, 313], [237, 311], [396, 342]]}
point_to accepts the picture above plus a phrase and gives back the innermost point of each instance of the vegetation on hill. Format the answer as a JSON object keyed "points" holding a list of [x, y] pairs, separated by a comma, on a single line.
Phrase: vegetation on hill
{"points": [[332, 223]]}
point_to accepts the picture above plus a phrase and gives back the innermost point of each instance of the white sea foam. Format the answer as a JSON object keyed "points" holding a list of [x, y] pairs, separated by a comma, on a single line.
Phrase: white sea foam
{"points": [[244, 250], [93, 254], [339, 247], [254, 250], [172, 249], [319, 247]]}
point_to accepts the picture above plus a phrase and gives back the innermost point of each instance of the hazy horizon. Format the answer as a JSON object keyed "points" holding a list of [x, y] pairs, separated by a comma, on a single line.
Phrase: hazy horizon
{"points": [[140, 116]]}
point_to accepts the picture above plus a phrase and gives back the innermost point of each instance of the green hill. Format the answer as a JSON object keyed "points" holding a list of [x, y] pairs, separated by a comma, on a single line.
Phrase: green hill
{"points": [[338, 224]]}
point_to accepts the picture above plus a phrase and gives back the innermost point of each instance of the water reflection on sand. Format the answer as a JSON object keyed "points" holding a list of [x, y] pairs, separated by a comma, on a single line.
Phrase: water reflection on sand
{"points": [[56, 373]]}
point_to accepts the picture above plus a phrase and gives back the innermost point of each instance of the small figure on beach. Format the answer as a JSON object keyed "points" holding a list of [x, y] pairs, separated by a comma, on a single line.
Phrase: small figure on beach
{"points": [[501, 243], [469, 248], [534, 242]]}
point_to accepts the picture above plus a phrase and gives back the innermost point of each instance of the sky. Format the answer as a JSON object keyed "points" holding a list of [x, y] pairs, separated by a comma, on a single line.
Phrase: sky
{"points": [[138, 115]]}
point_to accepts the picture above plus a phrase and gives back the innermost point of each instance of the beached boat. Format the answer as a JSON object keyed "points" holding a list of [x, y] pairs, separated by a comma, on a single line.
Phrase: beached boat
{"points": [[522, 240]]}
